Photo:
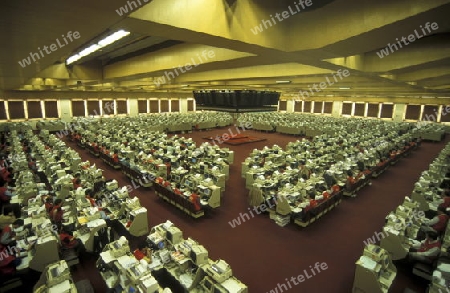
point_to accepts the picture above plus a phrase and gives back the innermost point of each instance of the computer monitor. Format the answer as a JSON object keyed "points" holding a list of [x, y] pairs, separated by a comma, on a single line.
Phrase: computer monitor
{"points": [[176, 178], [199, 255], [194, 160], [174, 235], [208, 283], [187, 183]]}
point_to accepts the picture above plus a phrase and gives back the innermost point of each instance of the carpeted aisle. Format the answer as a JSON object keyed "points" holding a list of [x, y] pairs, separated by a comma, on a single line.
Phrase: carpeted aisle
{"points": [[261, 253]]}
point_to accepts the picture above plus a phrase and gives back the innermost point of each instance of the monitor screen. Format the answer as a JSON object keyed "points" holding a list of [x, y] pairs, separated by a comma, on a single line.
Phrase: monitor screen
{"points": [[193, 256], [208, 283], [194, 160], [187, 183], [207, 191]]}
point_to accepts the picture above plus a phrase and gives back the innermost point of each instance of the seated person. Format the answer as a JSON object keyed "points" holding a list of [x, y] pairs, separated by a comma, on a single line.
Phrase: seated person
{"points": [[7, 218], [8, 236], [5, 192], [68, 241], [48, 203], [445, 200], [427, 250], [115, 157], [437, 224], [195, 199], [8, 175], [77, 184], [177, 190], [75, 177], [8, 260], [350, 180], [56, 213], [32, 164]]}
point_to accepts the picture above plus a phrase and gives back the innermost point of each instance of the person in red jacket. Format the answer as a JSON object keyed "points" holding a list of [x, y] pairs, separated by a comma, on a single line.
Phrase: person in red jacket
{"points": [[195, 199], [77, 184], [7, 236], [426, 251], [437, 224], [68, 241], [56, 214], [5, 193], [8, 260], [115, 157], [48, 204]]}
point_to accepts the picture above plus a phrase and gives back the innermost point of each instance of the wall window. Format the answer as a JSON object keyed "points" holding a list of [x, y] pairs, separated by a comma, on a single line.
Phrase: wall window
{"points": [[360, 109], [16, 110], [175, 105], [412, 112], [387, 111], [34, 109], [108, 107], [282, 105], [164, 106], [347, 108], [306, 106], [93, 108], [298, 106], [191, 106], [318, 107], [51, 109], [142, 106], [373, 110], [445, 113], [327, 107], [78, 109], [154, 106], [430, 113], [122, 107]]}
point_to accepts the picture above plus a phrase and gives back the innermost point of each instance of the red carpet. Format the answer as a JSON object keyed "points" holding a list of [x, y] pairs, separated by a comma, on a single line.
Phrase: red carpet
{"points": [[261, 253]]}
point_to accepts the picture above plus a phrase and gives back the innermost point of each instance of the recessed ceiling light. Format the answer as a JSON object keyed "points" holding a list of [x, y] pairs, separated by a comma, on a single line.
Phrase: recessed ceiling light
{"points": [[283, 81], [95, 47]]}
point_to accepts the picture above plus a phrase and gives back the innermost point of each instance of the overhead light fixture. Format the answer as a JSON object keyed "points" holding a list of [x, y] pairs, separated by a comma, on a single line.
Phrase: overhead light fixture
{"points": [[95, 47], [283, 81], [344, 88]]}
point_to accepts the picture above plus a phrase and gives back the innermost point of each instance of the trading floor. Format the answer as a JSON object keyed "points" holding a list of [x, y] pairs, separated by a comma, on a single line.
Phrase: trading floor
{"points": [[262, 254]]}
